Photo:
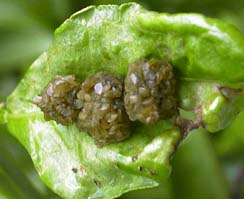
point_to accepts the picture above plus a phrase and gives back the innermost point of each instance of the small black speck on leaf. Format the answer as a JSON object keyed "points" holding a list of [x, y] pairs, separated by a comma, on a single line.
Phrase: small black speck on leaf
{"points": [[75, 170]]}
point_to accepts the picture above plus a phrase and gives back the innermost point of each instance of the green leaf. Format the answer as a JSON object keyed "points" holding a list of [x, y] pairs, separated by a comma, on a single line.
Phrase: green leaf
{"points": [[196, 170], [229, 144], [164, 191], [71, 164], [109, 38], [217, 105]]}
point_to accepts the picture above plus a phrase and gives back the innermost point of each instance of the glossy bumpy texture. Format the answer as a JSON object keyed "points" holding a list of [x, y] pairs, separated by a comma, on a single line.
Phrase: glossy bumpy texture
{"points": [[57, 100], [103, 114], [96, 105], [103, 104], [150, 91]]}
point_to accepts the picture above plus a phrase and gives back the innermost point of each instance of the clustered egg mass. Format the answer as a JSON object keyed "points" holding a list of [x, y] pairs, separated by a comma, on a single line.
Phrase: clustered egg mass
{"points": [[150, 91], [103, 114], [57, 100], [104, 104]]}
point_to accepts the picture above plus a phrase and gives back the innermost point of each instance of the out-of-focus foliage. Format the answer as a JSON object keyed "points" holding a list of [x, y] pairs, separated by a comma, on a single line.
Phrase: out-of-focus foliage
{"points": [[18, 178], [230, 142], [196, 170], [26, 28]]}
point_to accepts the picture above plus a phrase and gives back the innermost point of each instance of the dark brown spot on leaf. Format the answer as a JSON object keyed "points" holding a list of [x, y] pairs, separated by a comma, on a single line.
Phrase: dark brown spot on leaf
{"points": [[140, 168], [74, 170], [97, 183]]}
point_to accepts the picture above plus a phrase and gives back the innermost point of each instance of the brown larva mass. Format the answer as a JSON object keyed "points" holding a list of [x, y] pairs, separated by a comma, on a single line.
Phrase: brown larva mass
{"points": [[104, 104]]}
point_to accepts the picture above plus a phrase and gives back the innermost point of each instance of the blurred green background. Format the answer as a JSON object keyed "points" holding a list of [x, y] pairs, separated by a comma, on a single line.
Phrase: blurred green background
{"points": [[205, 166]]}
